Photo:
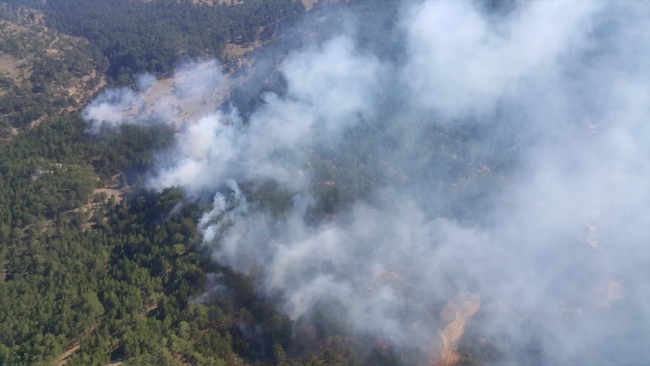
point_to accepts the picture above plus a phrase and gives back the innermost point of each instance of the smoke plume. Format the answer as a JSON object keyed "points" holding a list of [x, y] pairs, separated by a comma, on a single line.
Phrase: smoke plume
{"points": [[159, 101], [499, 156]]}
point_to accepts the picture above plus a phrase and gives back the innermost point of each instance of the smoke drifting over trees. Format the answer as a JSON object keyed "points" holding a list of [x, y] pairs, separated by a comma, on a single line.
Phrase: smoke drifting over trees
{"points": [[499, 154]]}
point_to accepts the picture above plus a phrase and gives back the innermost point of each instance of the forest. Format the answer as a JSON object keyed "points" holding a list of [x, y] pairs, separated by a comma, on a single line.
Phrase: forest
{"points": [[369, 186], [90, 279], [109, 280], [154, 36]]}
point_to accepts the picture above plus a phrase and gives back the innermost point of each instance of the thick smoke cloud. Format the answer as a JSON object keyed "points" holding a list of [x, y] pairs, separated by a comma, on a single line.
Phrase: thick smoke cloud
{"points": [[460, 62], [274, 144], [558, 251], [155, 102]]}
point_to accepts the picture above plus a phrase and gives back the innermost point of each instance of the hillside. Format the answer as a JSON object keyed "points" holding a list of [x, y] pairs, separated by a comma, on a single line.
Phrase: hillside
{"points": [[43, 72], [293, 183]]}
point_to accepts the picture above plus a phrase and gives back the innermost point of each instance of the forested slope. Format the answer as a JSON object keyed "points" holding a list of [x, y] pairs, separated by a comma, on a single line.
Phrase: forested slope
{"points": [[352, 217], [114, 282], [154, 36], [43, 72], [94, 280]]}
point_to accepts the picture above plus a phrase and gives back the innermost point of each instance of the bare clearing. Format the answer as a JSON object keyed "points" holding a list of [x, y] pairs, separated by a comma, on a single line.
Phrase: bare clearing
{"points": [[79, 89], [457, 312], [37, 122], [162, 99], [236, 50], [63, 359], [111, 192]]}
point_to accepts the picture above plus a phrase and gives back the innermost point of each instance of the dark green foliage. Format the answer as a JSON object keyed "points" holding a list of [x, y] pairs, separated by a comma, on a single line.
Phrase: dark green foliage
{"points": [[129, 148], [65, 282], [154, 36], [269, 196], [115, 283]]}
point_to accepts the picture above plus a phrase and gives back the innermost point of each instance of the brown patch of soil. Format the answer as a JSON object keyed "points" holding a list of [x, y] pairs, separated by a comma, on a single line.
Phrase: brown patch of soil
{"points": [[457, 313], [37, 122], [80, 89], [63, 359], [73, 347], [309, 3]]}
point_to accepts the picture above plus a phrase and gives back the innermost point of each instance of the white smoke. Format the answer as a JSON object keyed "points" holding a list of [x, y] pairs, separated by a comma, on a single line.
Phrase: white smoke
{"points": [[146, 81], [157, 101], [219, 147], [109, 109], [567, 230], [462, 63]]}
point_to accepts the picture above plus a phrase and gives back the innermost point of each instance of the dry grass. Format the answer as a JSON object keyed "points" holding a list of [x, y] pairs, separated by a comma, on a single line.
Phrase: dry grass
{"points": [[161, 98], [234, 50], [37, 41], [13, 68], [78, 88], [111, 192]]}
